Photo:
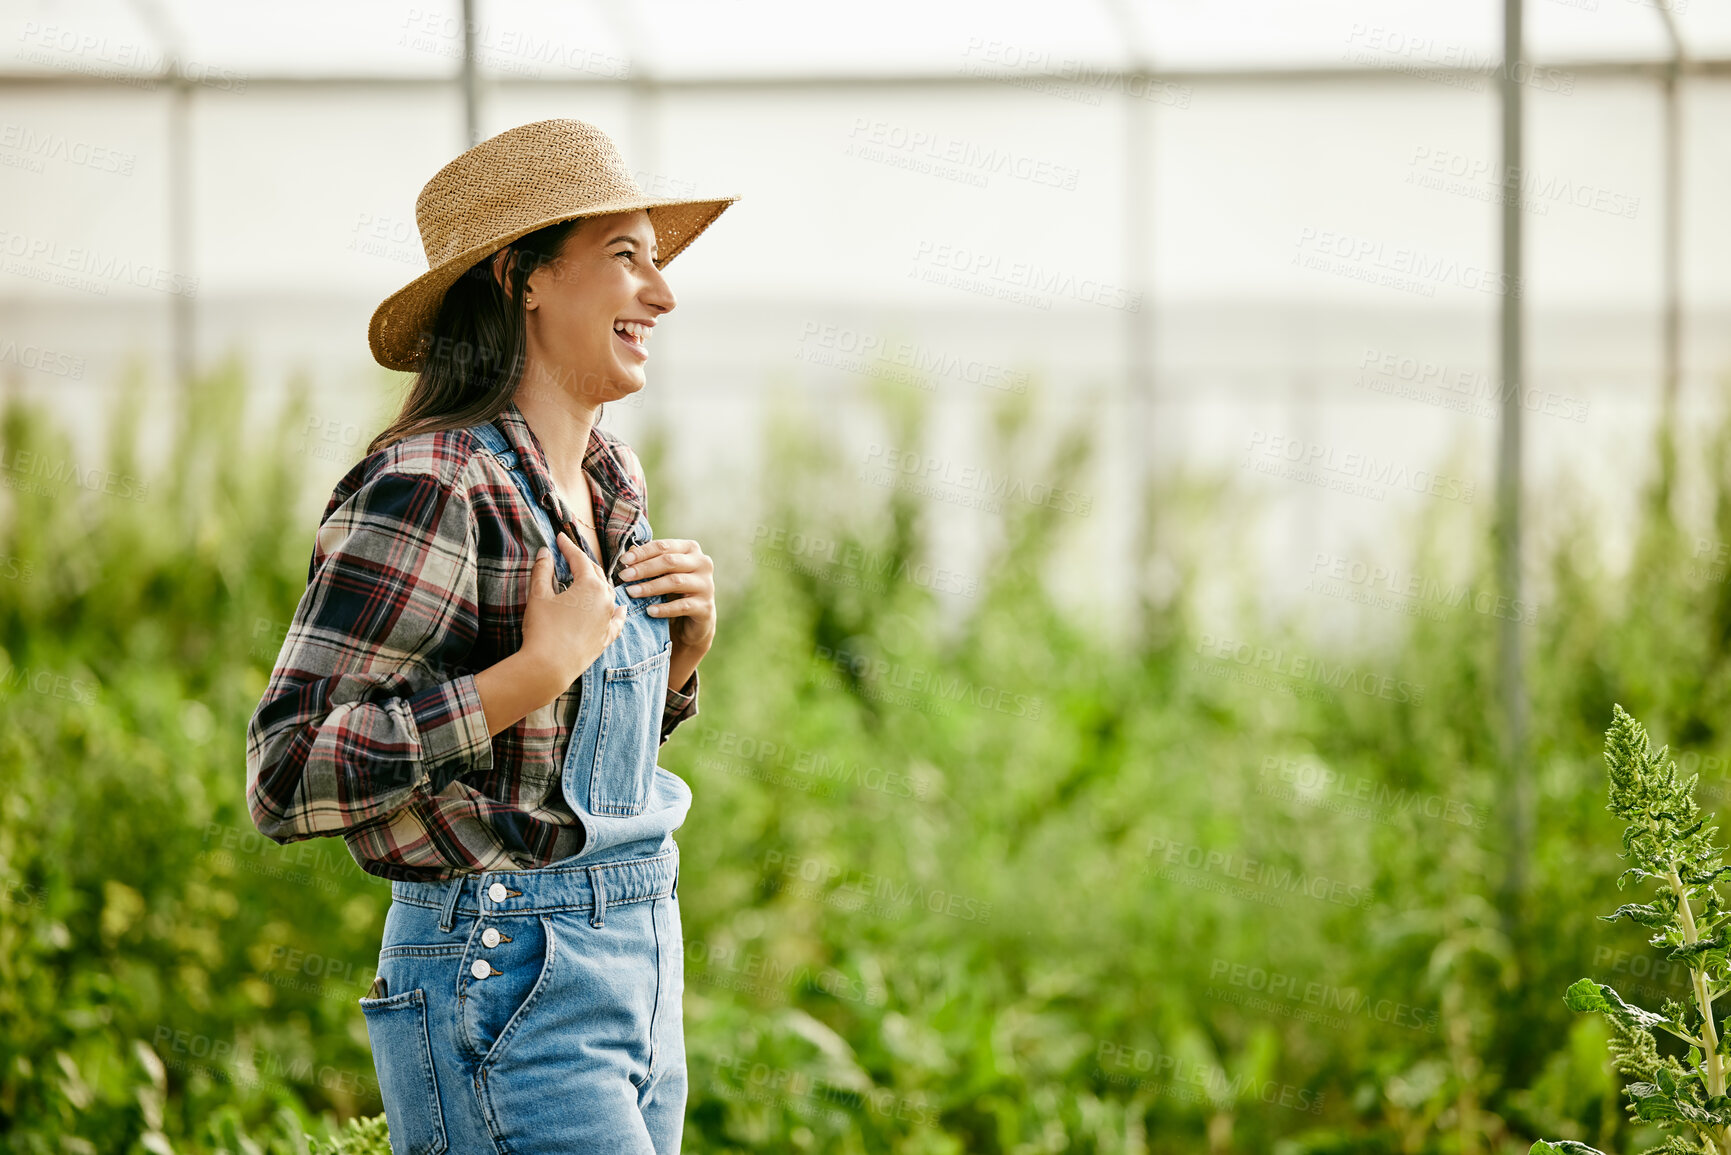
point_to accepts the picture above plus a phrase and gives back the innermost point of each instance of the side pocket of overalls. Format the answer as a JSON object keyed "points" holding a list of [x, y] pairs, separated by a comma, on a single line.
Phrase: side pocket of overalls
{"points": [[403, 1058]]}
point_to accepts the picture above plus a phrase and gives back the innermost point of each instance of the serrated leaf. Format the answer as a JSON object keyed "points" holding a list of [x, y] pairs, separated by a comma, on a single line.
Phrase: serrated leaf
{"points": [[1657, 1104], [1704, 879], [1643, 913], [1714, 958], [1587, 995], [1702, 946], [1653, 1104]]}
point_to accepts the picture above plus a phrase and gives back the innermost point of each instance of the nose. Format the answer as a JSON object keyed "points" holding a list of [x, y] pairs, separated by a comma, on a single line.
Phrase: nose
{"points": [[657, 293]]}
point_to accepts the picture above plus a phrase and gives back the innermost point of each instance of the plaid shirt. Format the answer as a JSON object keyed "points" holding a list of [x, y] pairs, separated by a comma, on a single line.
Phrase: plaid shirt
{"points": [[371, 726]]}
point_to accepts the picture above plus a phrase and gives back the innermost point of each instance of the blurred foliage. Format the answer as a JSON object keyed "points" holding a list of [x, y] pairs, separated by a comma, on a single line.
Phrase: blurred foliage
{"points": [[994, 882]]}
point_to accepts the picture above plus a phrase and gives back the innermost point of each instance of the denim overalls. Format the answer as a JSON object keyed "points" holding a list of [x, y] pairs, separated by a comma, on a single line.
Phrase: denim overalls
{"points": [[541, 1010]]}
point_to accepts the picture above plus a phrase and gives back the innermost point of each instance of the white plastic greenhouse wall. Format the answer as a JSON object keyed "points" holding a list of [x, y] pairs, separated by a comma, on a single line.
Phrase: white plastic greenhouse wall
{"points": [[1290, 210]]}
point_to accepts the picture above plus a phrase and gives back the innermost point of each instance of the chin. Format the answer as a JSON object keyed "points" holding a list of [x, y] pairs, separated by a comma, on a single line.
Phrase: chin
{"points": [[622, 387]]}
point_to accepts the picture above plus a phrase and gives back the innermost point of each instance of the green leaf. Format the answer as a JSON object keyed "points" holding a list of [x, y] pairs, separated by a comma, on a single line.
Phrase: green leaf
{"points": [[1645, 914], [1562, 1147], [1717, 942], [1587, 995], [1652, 1103], [1660, 1103], [1703, 879]]}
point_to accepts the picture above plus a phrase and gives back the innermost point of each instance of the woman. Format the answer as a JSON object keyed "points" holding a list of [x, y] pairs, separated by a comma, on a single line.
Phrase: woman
{"points": [[468, 699]]}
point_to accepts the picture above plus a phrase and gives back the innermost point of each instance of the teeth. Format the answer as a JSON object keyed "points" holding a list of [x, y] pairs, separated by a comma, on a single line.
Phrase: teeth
{"points": [[637, 331]]}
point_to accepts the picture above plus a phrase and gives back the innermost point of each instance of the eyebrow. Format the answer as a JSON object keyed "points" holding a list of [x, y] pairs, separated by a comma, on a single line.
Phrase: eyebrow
{"points": [[626, 237]]}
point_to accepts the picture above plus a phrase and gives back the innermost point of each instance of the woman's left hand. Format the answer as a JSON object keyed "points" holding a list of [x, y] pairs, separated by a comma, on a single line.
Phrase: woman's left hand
{"points": [[676, 566]]}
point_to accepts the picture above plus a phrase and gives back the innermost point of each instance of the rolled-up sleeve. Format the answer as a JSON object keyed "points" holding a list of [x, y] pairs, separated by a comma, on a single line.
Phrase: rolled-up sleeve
{"points": [[360, 715], [681, 704]]}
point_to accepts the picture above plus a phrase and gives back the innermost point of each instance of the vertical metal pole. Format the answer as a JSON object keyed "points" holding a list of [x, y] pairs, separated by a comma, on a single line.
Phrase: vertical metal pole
{"points": [[646, 134], [1672, 241], [183, 317], [1515, 788], [1139, 425], [471, 79], [1672, 271], [646, 149], [645, 96], [645, 109], [182, 310], [1139, 322]]}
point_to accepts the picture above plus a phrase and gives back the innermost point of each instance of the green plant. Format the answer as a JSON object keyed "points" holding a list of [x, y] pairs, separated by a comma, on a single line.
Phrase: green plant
{"points": [[1671, 844], [1111, 797], [358, 1137]]}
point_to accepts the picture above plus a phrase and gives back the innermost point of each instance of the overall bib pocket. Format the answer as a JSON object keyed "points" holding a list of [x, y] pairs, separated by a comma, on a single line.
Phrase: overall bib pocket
{"points": [[625, 751], [403, 1058]]}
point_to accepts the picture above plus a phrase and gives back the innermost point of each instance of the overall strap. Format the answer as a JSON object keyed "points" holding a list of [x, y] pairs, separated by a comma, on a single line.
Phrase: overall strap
{"points": [[494, 442]]}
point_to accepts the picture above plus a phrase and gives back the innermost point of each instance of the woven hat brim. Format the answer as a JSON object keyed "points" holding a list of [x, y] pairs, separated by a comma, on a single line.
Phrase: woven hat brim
{"points": [[397, 325]]}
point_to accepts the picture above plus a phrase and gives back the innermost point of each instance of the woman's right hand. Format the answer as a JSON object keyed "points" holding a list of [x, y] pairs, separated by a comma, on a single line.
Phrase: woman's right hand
{"points": [[565, 632]]}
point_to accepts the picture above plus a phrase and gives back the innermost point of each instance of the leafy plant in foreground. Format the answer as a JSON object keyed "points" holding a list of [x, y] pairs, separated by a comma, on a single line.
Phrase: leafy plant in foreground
{"points": [[1671, 845], [358, 1137]]}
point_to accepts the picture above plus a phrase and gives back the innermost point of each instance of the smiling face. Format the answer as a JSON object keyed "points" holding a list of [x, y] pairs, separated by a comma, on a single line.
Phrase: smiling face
{"points": [[589, 313]]}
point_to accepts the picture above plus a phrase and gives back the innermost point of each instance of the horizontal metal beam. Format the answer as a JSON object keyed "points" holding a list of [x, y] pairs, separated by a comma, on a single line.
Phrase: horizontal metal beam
{"points": [[1110, 80]]}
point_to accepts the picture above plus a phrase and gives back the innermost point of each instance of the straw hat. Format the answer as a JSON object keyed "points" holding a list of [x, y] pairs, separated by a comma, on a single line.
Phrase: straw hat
{"points": [[506, 187]]}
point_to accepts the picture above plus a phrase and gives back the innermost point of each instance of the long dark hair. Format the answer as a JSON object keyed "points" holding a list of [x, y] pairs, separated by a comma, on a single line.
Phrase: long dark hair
{"points": [[476, 347]]}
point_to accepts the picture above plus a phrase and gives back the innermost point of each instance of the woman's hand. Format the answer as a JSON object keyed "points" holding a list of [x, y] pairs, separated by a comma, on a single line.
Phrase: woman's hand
{"points": [[680, 567], [566, 632]]}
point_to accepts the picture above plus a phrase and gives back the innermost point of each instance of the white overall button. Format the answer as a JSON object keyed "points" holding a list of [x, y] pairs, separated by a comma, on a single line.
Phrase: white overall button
{"points": [[490, 937], [496, 892], [480, 968]]}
